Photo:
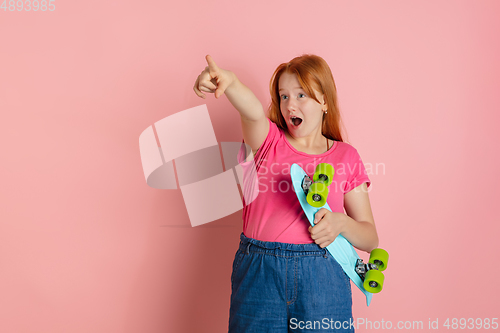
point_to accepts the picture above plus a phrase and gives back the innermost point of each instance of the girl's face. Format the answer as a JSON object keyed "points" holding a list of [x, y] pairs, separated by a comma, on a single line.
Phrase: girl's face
{"points": [[303, 115]]}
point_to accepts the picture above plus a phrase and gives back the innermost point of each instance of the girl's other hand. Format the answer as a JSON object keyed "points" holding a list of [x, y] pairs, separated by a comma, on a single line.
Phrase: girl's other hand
{"points": [[327, 226], [213, 79]]}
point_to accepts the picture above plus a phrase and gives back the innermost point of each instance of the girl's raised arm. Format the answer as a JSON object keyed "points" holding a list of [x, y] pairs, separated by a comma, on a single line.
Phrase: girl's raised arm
{"points": [[254, 123]]}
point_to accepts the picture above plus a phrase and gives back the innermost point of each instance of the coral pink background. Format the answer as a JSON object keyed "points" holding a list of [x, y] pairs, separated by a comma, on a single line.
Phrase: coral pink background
{"points": [[87, 246]]}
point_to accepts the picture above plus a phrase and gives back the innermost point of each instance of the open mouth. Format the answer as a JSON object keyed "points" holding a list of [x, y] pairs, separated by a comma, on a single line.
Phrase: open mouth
{"points": [[296, 121]]}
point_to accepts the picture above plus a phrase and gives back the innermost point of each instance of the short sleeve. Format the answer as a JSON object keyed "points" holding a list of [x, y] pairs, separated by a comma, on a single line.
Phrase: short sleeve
{"points": [[357, 172]]}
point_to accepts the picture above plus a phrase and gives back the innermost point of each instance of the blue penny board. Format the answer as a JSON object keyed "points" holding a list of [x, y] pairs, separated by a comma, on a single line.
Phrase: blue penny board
{"points": [[340, 249]]}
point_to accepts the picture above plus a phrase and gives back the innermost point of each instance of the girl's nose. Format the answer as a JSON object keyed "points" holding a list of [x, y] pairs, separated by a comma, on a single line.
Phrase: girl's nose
{"points": [[291, 105]]}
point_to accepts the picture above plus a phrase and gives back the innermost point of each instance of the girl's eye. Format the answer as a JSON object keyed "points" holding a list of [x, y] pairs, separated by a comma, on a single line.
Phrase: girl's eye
{"points": [[282, 97]]}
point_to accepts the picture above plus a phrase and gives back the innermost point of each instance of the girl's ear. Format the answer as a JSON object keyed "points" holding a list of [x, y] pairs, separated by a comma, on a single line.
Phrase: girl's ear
{"points": [[325, 105], [321, 99]]}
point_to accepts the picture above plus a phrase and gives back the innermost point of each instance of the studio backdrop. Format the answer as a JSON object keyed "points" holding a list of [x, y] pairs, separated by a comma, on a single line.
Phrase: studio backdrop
{"points": [[88, 245]]}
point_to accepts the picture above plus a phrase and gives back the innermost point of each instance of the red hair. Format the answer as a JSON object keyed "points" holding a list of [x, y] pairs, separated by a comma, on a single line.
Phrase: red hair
{"points": [[312, 72]]}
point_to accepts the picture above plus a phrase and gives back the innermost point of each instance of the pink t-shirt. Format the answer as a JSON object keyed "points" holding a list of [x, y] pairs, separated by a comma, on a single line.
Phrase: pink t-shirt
{"points": [[275, 215]]}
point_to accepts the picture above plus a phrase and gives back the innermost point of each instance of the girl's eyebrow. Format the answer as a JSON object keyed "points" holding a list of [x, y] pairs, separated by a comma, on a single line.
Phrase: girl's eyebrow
{"points": [[293, 88]]}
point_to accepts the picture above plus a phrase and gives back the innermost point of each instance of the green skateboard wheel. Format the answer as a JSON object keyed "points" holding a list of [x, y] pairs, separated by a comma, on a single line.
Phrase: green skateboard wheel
{"points": [[374, 281], [379, 257], [324, 173], [316, 197]]}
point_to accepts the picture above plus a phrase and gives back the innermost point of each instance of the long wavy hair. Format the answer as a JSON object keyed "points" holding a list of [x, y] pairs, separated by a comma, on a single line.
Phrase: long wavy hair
{"points": [[312, 72]]}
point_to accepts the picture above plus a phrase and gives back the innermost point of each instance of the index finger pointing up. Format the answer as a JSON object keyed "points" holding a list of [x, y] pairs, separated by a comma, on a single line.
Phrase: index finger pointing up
{"points": [[211, 64]]}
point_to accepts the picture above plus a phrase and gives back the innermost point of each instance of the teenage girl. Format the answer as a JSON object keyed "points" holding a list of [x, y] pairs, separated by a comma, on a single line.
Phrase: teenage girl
{"points": [[283, 278]]}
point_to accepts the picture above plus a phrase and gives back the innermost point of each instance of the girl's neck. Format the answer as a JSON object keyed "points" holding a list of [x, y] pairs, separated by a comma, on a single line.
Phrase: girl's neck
{"points": [[317, 145]]}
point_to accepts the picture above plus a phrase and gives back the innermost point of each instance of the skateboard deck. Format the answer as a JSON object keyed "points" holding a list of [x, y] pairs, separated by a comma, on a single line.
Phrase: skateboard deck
{"points": [[340, 248]]}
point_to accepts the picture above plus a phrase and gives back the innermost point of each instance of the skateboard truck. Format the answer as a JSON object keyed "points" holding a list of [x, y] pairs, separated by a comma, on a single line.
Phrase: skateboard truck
{"points": [[362, 268], [316, 189], [371, 272], [306, 183]]}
